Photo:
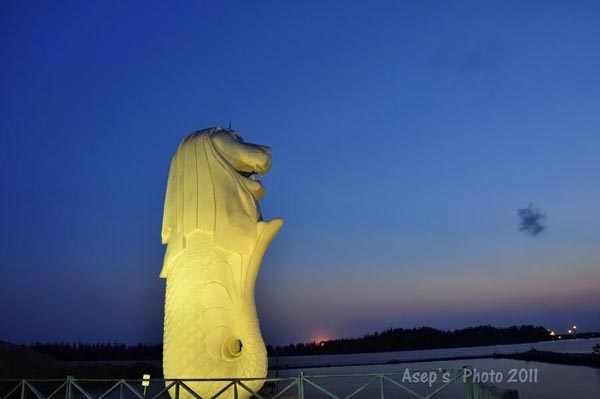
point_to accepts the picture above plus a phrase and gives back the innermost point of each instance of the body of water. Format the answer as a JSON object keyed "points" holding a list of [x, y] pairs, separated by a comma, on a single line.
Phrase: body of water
{"points": [[566, 346], [533, 380]]}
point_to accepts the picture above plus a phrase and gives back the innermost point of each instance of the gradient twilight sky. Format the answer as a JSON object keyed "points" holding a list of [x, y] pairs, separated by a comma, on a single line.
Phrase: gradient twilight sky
{"points": [[405, 136]]}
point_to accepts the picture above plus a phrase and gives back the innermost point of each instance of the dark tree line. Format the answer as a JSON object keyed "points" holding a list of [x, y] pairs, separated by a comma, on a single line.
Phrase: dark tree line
{"points": [[399, 339], [396, 339], [99, 351]]}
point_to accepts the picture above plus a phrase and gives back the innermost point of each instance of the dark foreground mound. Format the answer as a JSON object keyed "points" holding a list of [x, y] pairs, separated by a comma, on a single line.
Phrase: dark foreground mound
{"points": [[18, 361], [21, 362]]}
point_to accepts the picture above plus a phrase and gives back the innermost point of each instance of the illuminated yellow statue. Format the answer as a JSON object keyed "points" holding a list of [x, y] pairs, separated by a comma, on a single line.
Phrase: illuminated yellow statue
{"points": [[216, 240]]}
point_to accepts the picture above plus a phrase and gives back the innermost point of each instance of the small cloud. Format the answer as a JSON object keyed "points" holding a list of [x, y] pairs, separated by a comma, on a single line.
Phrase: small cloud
{"points": [[530, 220]]}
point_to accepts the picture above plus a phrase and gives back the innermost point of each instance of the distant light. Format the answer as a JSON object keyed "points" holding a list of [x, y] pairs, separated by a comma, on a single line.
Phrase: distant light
{"points": [[321, 338], [570, 331], [574, 327], [146, 380], [552, 333]]}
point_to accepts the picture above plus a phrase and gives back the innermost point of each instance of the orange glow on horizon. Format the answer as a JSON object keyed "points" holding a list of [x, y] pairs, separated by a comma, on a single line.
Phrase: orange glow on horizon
{"points": [[320, 339]]}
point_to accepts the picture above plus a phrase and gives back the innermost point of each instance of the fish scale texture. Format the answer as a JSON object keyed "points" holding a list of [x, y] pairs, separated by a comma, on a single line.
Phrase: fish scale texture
{"points": [[209, 308]]}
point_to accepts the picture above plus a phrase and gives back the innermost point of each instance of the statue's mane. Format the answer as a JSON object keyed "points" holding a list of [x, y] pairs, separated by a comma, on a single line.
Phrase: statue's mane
{"points": [[205, 192]]}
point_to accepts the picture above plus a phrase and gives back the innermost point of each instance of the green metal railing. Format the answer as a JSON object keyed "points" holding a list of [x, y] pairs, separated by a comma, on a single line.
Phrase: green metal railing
{"points": [[291, 387]]}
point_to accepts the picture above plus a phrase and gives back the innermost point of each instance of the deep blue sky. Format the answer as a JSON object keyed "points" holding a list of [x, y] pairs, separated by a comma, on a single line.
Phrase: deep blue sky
{"points": [[405, 137]]}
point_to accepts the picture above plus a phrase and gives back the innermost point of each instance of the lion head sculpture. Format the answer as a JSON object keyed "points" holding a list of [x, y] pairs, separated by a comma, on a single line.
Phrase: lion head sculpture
{"points": [[212, 187]]}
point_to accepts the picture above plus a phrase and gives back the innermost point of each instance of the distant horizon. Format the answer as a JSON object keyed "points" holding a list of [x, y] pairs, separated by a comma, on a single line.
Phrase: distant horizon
{"points": [[129, 344]]}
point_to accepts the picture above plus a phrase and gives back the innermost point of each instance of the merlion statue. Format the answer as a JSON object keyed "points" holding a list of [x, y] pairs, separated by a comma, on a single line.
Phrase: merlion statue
{"points": [[216, 240]]}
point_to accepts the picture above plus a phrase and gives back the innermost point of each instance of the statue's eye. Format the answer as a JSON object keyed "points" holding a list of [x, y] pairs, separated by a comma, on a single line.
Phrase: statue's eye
{"points": [[237, 137]]}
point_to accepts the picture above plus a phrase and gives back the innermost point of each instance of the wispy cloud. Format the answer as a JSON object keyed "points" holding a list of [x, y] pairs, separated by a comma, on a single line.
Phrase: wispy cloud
{"points": [[471, 59]]}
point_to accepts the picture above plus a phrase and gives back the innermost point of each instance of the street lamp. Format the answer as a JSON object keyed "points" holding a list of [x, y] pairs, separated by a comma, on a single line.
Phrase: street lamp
{"points": [[145, 382]]}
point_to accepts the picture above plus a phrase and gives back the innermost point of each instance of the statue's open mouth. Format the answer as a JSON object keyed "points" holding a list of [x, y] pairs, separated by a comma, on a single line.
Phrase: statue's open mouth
{"points": [[250, 175], [253, 183]]}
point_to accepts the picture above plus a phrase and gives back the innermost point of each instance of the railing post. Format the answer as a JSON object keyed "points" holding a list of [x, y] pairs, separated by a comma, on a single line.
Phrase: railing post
{"points": [[23, 389], [235, 389], [382, 395], [276, 371], [468, 379], [69, 387], [301, 385], [177, 389]]}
